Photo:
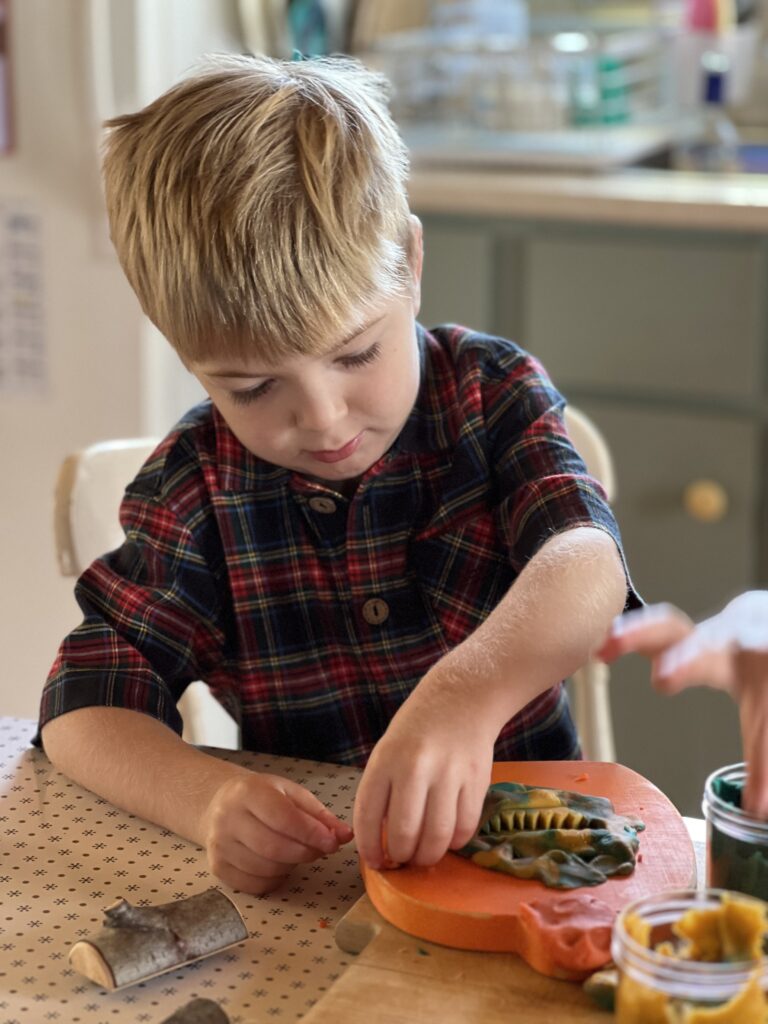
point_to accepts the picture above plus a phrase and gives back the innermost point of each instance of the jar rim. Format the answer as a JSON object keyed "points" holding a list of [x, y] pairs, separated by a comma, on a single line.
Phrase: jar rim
{"points": [[687, 979], [733, 820]]}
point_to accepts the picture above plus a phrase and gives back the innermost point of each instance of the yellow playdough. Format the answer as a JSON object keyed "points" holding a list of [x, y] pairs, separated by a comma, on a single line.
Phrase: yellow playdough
{"points": [[729, 934]]}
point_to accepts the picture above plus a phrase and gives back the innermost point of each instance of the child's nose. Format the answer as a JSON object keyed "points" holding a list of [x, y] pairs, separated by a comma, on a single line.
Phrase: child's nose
{"points": [[320, 410]]}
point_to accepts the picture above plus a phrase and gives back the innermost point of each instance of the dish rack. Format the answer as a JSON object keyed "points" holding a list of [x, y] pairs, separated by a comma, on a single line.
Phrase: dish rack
{"points": [[566, 81], [574, 95]]}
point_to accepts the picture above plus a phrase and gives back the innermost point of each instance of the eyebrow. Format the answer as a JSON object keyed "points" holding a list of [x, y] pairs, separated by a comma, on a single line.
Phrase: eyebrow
{"points": [[246, 375]]}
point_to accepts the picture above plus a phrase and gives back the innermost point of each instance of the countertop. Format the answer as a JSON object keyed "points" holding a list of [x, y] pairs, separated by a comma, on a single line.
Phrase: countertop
{"points": [[640, 197]]}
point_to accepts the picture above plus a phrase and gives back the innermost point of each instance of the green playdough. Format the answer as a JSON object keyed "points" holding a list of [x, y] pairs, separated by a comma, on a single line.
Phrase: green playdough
{"points": [[734, 863], [564, 839]]}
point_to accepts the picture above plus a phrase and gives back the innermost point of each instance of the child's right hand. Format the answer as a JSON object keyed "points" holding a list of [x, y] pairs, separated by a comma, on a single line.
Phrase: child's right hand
{"points": [[258, 826]]}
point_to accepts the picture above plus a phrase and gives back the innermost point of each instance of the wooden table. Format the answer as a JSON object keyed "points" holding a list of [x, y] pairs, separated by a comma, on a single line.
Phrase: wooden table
{"points": [[65, 855]]}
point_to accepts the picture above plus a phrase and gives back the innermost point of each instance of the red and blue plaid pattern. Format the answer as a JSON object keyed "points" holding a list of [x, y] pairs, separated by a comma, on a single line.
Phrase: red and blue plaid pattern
{"points": [[229, 574]]}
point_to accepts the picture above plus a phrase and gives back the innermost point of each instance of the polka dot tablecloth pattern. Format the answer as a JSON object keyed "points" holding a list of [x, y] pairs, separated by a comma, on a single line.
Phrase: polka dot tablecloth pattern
{"points": [[65, 855]]}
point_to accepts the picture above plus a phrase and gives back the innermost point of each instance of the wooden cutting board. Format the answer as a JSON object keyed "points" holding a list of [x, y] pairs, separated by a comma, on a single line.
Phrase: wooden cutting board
{"points": [[397, 979], [401, 977], [563, 933]]}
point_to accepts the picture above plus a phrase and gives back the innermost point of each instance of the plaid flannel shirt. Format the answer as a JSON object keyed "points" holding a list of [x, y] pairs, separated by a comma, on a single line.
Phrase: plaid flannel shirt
{"points": [[312, 616]]}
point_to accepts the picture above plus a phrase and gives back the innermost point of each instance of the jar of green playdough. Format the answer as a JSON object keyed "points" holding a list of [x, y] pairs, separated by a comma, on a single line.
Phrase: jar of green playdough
{"points": [[659, 982], [737, 842]]}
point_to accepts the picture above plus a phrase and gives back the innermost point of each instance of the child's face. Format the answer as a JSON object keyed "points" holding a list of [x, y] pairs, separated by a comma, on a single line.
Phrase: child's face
{"points": [[330, 416]]}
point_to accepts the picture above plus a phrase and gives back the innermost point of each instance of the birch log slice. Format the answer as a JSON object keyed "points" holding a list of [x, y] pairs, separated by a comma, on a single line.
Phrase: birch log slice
{"points": [[137, 943]]}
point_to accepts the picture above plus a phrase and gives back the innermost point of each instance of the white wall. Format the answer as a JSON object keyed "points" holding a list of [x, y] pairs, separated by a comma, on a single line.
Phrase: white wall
{"points": [[92, 333], [110, 373]]}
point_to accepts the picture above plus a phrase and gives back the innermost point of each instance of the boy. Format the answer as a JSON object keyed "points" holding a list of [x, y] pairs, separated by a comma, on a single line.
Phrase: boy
{"points": [[376, 542]]}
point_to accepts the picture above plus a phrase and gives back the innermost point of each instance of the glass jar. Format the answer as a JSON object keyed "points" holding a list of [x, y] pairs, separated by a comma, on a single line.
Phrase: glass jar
{"points": [[737, 842], [654, 987]]}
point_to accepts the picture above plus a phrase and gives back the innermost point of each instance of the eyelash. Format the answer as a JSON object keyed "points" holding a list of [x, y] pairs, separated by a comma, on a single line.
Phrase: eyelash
{"points": [[362, 358], [248, 395]]}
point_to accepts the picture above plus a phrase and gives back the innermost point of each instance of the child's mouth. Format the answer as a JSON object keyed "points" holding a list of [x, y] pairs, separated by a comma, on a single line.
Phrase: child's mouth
{"points": [[337, 454]]}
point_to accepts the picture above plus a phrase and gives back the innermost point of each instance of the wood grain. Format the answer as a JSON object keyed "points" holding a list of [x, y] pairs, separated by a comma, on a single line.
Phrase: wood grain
{"points": [[398, 979]]}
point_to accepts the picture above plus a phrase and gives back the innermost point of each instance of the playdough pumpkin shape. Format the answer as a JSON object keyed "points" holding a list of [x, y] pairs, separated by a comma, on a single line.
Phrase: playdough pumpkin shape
{"points": [[564, 839]]}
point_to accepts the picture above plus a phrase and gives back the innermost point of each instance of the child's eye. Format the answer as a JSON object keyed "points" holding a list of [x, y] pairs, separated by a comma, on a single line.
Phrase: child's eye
{"points": [[361, 358], [248, 395]]}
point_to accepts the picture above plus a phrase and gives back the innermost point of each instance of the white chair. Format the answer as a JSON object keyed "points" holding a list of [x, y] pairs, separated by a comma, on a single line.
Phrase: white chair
{"points": [[87, 498], [592, 708]]}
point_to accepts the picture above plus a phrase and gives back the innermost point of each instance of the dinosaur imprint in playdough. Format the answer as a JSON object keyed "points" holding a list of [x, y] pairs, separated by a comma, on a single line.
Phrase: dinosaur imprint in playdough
{"points": [[732, 933], [563, 839]]}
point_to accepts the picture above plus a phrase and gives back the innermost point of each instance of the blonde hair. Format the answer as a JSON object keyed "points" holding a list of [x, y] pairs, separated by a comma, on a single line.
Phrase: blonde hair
{"points": [[259, 206]]}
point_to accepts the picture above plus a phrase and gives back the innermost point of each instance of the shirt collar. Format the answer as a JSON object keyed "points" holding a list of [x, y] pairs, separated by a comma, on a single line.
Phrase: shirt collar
{"points": [[429, 425]]}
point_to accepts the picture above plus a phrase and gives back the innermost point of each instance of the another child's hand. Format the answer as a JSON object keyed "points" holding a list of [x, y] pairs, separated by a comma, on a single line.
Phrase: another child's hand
{"points": [[423, 788], [728, 652], [259, 826]]}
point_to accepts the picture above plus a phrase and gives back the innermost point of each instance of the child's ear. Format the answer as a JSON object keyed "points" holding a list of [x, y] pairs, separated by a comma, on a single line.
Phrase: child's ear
{"points": [[416, 259]]}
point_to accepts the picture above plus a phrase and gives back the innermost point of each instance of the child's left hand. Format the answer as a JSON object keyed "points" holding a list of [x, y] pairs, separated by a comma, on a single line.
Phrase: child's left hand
{"points": [[423, 788]]}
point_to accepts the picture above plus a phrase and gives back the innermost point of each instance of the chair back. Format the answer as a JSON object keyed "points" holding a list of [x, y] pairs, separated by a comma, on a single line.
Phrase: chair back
{"points": [[591, 446], [589, 685], [89, 489]]}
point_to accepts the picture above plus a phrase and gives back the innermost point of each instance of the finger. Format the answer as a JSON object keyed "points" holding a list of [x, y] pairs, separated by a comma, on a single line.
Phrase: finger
{"points": [[644, 631], [683, 666], [370, 811], [313, 806], [753, 716], [405, 819], [755, 795], [343, 832], [468, 812], [252, 834], [243, 881], [292, 812], [249, 861], [439, 824]]}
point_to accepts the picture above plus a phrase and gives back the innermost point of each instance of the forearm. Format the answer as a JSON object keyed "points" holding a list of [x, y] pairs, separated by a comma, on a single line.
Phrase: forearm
{"points": [[138, 764], [555, 614]]}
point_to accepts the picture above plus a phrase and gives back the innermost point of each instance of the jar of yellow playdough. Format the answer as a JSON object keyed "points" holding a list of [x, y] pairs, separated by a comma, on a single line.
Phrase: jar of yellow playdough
{"points": [[737, 842], [691, 956]]}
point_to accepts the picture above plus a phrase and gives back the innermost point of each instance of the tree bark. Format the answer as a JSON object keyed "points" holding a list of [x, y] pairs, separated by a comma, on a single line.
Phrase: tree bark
{"points": [[137, 943]]}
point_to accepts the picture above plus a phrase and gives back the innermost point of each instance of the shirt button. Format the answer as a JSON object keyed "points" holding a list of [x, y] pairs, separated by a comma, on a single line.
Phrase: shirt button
{"points": [[325, 505], [375, 611]]}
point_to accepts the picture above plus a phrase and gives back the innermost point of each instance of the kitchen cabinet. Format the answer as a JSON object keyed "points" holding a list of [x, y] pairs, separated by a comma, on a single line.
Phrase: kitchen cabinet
{"points": [[661, 337]]}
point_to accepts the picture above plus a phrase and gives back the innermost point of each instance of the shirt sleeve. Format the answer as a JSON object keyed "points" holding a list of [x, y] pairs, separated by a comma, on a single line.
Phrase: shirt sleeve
{"points": [[544, 485], [152, 622]]}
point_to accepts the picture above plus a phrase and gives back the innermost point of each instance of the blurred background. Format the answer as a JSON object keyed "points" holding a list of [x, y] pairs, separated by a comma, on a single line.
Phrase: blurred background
{"points": [[592, 181]]}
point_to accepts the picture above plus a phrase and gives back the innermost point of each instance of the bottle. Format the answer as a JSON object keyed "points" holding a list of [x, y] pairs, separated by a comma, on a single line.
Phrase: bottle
{"points": [[715, 147], [709, 15]]}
